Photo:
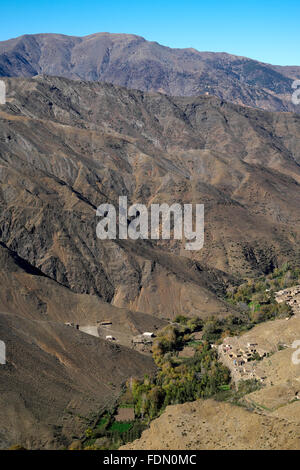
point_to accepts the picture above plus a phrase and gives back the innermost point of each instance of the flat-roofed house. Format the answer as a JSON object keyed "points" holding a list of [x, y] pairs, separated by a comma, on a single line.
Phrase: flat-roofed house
{"points": [[148, 334]]}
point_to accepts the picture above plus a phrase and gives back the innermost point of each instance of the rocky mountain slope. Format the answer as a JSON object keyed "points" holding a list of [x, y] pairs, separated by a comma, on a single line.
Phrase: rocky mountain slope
{"points": [[66, 147], [57, 377], [26, 291], [133, 62]]}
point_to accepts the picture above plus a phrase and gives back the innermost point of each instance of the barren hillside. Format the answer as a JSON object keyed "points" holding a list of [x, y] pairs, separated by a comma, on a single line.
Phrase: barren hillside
{"points": [[211, 425], [56, 378], [67, 147], [131, 61]]}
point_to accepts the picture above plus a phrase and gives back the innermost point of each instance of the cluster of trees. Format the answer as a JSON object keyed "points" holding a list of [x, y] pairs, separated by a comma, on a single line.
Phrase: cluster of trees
{"points": [[173, 337], [255, 301], [256, 298], [179, 381], [192, 324]]}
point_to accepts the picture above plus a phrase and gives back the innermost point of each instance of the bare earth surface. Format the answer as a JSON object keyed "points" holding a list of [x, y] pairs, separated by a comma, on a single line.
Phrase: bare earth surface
{"points": [[206, 424]]}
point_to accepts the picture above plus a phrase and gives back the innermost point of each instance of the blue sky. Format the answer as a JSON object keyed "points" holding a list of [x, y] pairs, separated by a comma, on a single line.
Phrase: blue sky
{"points": [[265, 30]]}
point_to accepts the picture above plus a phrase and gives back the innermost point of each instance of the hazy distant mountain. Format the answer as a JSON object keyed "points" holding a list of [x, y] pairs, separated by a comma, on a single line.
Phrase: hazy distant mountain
{"points": [[133, 62]]}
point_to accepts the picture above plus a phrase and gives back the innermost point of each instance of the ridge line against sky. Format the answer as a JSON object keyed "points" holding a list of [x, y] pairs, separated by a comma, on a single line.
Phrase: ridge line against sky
{"points": [[147, 40], [267, 31]]}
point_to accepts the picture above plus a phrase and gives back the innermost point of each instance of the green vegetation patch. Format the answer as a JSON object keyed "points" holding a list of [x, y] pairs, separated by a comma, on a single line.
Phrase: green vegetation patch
{"points": [[121, 426]]}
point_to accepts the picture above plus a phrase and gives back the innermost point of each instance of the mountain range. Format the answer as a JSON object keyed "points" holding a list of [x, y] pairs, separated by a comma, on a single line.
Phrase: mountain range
{"points": [[71, 142], [131, 61]]}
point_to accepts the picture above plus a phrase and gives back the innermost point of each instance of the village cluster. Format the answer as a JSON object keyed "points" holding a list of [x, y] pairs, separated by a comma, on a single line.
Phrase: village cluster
{"points": [[241, 360], [291, 296]]}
